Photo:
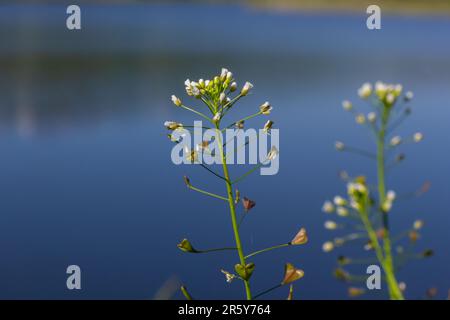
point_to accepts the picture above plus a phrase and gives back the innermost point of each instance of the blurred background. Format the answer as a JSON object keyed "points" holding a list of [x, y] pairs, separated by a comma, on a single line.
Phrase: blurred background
{"points": [[85, 171]]}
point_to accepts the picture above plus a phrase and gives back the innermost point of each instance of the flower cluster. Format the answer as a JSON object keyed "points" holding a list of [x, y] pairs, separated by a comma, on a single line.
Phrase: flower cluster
{"points": [[369, 206], [219, 95]]}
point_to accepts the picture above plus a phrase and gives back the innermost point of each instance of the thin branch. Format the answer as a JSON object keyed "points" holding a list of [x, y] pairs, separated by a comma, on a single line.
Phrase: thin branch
{"points": [[207, 193]]}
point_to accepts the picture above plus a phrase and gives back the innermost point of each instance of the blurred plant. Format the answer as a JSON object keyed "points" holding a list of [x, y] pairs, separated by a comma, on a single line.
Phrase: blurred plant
{"points": [[215, 95], [371, 213]]}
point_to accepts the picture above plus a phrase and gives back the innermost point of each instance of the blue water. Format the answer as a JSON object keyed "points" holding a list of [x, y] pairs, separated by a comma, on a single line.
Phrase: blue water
{"points": [[86, 176]]}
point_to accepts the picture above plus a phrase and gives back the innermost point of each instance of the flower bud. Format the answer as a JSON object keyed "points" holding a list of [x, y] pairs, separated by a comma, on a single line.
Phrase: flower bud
{"points": [[328, 207], [265, 108], [418, 224], [172, 125], [409, 95], [268, 126], [372, 117], [354, 292], [340, 146], [222, 98], [239, 124], [237, 197], [342, 212], [360, 119], [418, 136], [328, 246], [330, 225], [339, 201], [246, 88], [187, 181], [347, 105], [216, 117], [395, 141], [186, 246], [176, 101], [273, 153], [233, 87], [365, 91]]}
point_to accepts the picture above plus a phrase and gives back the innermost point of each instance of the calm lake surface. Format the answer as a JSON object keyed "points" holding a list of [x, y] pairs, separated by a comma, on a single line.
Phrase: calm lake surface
{"points": [[85, 171]]}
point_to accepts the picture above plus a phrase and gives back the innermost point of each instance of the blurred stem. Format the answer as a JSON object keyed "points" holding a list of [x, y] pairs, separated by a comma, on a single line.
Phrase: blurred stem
{"points": [[237, 236], [267, 249], [394, 290], [259, 165]]}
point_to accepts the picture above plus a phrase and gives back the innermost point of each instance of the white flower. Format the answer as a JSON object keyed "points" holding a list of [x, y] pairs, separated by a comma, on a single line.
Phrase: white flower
{"points": [[347, 105], [233, 87], [339, 145], [387, 205], [217, 117], [372, 117], [268, 126], [223, 74], [360, 119], [380, 89], [395, 141], [418, 224], [342, 212], [328, 246], [273, 153], [391, 195], [398, 89], [228, 276], [192, 88], [222, 97], [418, 136], [365, 91], [246, 88], [328, 207], [176, 101], [330, 225], [229, 76], [339, 201], [172, 125], [409, 95], [390, 98], [265, 108]]}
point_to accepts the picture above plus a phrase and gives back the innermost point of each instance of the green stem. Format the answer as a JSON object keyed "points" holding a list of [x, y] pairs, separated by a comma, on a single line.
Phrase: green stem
{"points": [[186, 294], [208, 193], [394, 290], [267, 291], [259, 165], [196, 112], [237, 236], [267, 249], [216, 249]]}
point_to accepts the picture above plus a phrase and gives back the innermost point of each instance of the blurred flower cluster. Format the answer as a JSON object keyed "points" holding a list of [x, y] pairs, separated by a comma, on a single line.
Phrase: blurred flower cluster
{"points": [[365, 210]]}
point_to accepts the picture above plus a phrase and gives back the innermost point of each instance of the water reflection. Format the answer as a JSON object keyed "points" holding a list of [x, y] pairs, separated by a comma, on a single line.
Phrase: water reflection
{"points": [[86, 172]]}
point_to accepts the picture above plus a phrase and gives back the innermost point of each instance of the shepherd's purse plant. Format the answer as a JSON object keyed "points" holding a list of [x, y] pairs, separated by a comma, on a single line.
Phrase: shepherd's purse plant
{"points": [[218, 96]]}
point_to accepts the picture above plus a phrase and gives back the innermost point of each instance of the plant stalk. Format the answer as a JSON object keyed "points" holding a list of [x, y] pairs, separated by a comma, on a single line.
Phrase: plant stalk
{"points": [[394, 290], [234, 223]]}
